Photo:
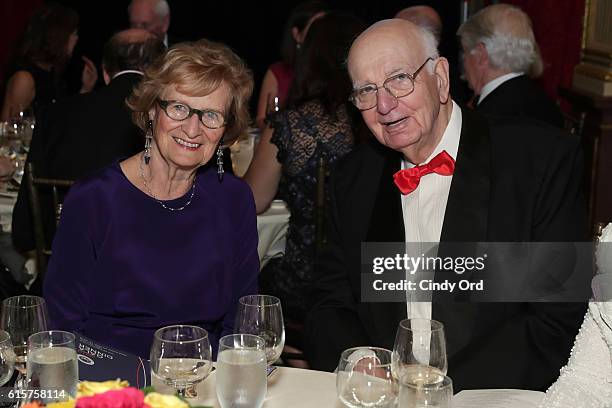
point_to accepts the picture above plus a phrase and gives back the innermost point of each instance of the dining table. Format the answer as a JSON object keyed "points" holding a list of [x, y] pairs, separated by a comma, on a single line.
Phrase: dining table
{"points": [[301, 388], [272, 228]]}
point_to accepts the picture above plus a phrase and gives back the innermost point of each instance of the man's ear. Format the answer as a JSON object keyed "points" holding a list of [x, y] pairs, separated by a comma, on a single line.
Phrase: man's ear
{"points": [[442, 80], [107, 78], [481, 55]]}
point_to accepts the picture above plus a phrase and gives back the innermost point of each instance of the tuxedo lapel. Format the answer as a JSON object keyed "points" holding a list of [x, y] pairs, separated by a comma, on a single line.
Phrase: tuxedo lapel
{"points": [[466, 215], [465, 220], [386, 225]]}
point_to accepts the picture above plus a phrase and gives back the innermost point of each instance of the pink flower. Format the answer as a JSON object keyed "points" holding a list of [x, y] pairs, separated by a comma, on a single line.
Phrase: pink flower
{"points": [[125, 398]]}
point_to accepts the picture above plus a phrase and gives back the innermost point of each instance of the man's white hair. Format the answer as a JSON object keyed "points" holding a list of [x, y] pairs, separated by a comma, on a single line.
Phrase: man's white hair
{"points": [[430, 45], [507, 34]]}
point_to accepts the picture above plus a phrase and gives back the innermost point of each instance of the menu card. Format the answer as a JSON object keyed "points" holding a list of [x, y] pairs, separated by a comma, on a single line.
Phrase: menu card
{"points": [[497, 399], [98, 362]]}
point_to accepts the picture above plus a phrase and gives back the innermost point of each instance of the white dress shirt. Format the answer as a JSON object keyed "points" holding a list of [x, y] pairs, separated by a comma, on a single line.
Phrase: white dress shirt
{"points": [[492, 85], [423, 209]]}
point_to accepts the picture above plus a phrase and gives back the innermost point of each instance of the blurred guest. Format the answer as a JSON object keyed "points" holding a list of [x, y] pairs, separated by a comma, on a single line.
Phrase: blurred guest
{"points": [[65, 135], [151, 15], [45, 50], [428, 18], [279, 75], [162, 238], [316, 125], [500, 58]]}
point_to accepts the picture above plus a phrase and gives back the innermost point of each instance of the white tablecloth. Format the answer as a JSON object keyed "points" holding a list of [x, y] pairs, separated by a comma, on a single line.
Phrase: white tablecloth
{"points": [[287, 388], [272, 228]]}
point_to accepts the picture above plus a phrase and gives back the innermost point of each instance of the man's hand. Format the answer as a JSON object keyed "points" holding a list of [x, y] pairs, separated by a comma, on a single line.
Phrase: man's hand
{"points": [[89, 76]]}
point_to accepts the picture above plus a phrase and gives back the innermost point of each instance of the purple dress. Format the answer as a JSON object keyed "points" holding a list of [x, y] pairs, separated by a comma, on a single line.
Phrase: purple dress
{"points": [[124, 266]]}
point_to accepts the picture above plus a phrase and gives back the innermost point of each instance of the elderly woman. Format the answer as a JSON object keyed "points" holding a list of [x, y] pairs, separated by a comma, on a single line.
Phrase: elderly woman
{"points": [[163, 237]]}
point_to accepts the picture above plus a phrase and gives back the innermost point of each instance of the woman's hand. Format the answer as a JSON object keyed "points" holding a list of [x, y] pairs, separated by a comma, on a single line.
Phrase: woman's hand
{"points": [[89, 77]]}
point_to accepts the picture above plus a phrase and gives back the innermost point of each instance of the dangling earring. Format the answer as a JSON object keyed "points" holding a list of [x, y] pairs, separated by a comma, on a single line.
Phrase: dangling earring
{"points": [[220, 169], [148, 138]]}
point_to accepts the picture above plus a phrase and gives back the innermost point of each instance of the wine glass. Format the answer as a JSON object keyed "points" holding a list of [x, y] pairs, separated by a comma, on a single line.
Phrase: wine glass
{"points": [[241, 371], [52, 364], [419, 352], [365, 379], [21, 317], [262, 315], [7, 357], [181, 357], [437, 394]]}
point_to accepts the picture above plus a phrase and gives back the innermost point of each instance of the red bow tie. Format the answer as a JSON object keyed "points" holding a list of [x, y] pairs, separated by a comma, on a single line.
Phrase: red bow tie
{"points": [[407, 180]]}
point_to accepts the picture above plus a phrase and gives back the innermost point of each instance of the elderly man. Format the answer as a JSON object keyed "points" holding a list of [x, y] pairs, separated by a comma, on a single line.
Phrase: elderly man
{"points": [[89, 131], [500, 56], [489, 184], [151, 15]]}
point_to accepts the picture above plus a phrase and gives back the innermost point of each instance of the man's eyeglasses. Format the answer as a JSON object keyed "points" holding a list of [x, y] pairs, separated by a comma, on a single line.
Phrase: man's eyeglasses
{"points": [[398, 85], [176, 110]]}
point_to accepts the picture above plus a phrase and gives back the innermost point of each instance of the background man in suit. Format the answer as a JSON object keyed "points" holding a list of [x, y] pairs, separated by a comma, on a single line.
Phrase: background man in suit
{"points": [[500, 56], [89, 131], [507, 186], [428, 18], [151, 15]]}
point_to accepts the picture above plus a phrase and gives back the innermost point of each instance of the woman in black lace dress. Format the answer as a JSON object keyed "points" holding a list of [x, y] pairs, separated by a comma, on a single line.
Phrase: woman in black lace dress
{"points": [[317, 123]]}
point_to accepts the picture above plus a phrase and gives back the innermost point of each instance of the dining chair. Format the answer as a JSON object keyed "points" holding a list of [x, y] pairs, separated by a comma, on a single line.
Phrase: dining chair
{"points": [[37, 188]]}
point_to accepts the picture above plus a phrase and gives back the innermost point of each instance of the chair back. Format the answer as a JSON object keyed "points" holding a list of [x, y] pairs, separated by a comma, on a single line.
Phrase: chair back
{"points": [[38, 186]]}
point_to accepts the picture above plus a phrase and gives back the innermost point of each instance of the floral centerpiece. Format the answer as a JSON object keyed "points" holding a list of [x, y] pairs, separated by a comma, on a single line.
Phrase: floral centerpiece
{"points": [[115, 394]]}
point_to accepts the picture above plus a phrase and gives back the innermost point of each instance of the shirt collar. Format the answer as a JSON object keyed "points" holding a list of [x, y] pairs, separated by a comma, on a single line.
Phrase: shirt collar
{"points": [[491, 85]]}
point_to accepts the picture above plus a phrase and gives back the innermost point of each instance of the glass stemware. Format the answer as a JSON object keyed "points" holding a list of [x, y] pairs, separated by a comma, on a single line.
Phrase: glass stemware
{"points": [[21, 317], [419, 352], [437, 394], [241, 371], [262, 315], [52, 365], [7, 357], [364, 378], [181, 357]]}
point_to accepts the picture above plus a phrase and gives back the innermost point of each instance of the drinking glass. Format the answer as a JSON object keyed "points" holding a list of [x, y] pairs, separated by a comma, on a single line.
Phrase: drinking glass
{"points": [[21, 317], [262, 315], [7, 357], [241, 371], [437, 394], [52, 365], [419, 352], [181, 357], [364, 378]]}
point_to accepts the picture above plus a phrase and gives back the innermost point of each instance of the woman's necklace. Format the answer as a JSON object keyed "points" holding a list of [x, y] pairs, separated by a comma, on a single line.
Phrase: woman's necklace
{"points": [[146, 186]]}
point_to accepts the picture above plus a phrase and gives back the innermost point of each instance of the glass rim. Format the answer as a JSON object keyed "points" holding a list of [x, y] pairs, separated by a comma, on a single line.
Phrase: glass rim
{"points": [[70, 338], [159, 331], [344, 356], [38, 300], [259, 339], [269, 300], [434, 326], [445, 383]]}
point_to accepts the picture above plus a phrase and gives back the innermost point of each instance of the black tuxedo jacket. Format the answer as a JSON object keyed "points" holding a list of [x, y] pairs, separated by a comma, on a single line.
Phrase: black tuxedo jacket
{"points": [[508, 186], [75, 137], [522, 97]]}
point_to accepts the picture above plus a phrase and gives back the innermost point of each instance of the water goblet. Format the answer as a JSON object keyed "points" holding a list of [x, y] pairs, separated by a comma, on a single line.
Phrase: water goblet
{"points": [[52, 365], [7, 357], [364, 378], [262, 315], [181, 357], [241, 371]]}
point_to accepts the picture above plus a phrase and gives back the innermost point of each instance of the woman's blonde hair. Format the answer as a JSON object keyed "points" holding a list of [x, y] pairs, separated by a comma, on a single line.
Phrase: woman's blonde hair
{"points": [[197, 69]]}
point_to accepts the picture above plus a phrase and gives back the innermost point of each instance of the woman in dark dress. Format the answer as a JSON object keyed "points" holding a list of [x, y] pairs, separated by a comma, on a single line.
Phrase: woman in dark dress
{"points": [[45, 50], [317, 124], [163, 237]]}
